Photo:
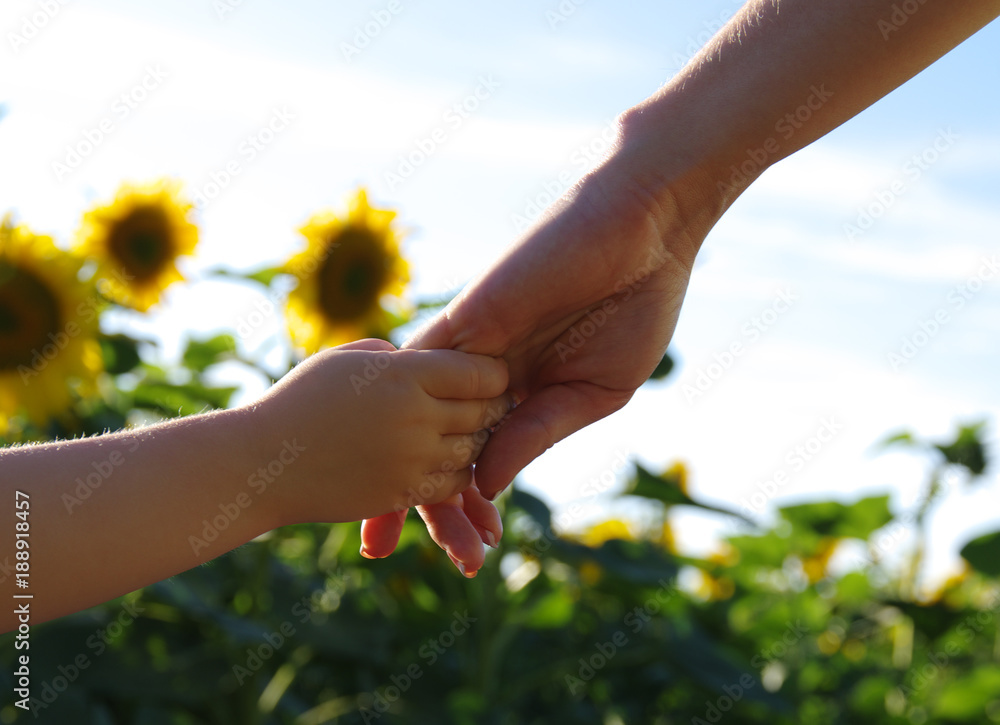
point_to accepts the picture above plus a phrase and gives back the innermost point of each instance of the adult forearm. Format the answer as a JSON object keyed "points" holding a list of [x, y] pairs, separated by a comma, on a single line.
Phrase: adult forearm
{"points": [[779, 76], [111, 514]]}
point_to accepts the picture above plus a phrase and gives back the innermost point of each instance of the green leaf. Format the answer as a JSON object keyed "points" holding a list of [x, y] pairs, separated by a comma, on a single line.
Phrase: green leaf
{"points": [[967, 449], [200, 354], [865, 517], [869, 694], [552, 611], [966, 699], [120, 353], [101, 420], [932, 620], [640, 562], [262, 276], [266, 275], [668, 489], [533, 506], [765, 551], [436, 303], [707, 661], [983, 554], [854, 588], [663, 368], [180, 400], [904, 437], [636, 562], [832, 518]]}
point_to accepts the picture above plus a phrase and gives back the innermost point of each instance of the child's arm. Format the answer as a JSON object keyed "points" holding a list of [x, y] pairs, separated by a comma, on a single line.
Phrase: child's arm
{"points": [[348, 434]]}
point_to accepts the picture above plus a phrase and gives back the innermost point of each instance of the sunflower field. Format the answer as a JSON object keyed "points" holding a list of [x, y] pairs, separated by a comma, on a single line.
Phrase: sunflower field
{"points": [[815, 616]]}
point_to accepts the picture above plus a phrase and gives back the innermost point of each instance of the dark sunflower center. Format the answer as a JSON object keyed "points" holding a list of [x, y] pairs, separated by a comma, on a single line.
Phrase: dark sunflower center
{"points": [[146, 248], [29, 315], [352, 277], [142, 243]]}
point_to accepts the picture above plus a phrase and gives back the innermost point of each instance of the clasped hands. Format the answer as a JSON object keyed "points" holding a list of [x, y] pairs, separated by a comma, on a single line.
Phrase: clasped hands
{"points": [[581, 308]]}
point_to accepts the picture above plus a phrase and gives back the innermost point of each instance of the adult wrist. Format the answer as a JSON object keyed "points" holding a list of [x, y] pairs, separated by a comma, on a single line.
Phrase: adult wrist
{"points": [[655, 162]]}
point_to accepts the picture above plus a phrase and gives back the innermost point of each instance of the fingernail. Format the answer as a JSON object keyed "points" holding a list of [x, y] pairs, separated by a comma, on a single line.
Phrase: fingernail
{"points": [[461, 567], [364, 553], [491, 540]]}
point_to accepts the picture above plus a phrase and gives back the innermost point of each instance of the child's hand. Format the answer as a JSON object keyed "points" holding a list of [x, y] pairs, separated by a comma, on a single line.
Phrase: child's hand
{"points": [[374, 430]]}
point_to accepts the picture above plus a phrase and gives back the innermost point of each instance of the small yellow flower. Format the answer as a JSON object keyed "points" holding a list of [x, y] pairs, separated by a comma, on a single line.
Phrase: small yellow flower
{"points": [[677, 473], [606, 531], [726, 555], [48, 328], [714, 585], [137, 239], [351, 266], [815, 566], [712, 588], [667, 538]]}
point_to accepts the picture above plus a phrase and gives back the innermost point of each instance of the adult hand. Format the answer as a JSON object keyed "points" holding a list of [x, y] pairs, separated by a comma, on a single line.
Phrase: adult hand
{"points": [[581, 308], [768, 84]]}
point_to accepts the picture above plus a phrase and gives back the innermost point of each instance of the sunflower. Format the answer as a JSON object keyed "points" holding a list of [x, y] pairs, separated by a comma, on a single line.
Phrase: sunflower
{"points": [[48, 328], [351, 265], [137, 239]]}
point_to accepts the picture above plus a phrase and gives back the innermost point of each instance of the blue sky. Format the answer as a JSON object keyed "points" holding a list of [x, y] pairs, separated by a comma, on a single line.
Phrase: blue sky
{"points": [[217, 74]]}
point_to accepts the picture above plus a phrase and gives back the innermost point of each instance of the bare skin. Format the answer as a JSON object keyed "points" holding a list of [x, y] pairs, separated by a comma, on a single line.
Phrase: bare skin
{"points": [[110, 514], [683, 156]]}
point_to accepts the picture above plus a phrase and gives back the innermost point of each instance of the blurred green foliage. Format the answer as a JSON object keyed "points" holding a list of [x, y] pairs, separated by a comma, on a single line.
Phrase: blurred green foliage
{"points": [[296, 627]]}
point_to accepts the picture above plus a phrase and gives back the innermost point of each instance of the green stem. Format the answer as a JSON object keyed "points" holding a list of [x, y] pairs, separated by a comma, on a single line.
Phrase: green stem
{"points": [[916, 561]]}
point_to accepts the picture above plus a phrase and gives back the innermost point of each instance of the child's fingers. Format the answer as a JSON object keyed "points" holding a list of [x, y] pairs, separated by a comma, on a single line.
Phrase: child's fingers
{"points": [[453, 374], [458, 450], [468, 416], [379, 536]]}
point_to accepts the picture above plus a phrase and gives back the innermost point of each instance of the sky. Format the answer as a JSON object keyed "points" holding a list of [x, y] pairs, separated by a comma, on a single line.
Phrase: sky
{"points": [[307, 100]]}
